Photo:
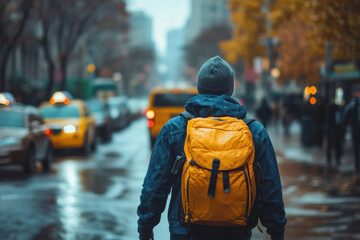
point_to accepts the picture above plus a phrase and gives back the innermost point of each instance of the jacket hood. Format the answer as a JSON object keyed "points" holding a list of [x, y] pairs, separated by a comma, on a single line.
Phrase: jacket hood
{"points": [[206, 105]]}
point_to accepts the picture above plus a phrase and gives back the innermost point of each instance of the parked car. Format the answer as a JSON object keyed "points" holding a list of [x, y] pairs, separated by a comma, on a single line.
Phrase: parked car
{"points": [[165, 104], [138, 106], [24, 137], [71, 123], [119, 112], [101, 111]]}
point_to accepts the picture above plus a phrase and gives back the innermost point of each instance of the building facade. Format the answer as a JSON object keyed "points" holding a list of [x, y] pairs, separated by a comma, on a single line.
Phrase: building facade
{"points": [[26, 61], [140, 32], [175, 54], [204, 14]]}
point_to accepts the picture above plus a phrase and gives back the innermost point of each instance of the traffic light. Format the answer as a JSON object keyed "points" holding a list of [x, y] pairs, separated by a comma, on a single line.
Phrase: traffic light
{"points": [[91, 68]]}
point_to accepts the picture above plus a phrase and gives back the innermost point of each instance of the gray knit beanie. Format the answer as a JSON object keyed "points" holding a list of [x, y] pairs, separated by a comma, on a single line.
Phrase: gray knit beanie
{"points": [[215, 77]]}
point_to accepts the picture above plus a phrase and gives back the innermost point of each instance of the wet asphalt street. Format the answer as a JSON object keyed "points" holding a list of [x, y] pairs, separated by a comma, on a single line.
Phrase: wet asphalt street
{"points": [[95, 198], [321, 202]]}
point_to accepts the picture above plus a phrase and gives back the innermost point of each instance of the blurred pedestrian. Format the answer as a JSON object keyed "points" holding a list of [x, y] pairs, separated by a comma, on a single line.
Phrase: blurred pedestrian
{"points": [[275, 112], [263, 112], [288, 115], [352, 118], [333, 133], [319, 113], [215, 84], [291, 105]]}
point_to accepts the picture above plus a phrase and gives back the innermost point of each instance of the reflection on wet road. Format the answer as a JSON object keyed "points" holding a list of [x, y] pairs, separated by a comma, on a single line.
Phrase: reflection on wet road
{"points": [[321, 203], [96, 197], [83, 198]]}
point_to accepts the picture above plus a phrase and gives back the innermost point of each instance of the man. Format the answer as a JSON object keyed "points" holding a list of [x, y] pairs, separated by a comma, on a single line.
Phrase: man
{"points": [[352, 118], [334, 133], [263, 112], [215, 84]]}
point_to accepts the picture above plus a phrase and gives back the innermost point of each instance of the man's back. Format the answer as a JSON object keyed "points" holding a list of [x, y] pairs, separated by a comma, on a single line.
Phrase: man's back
{"points": [[170, 143]]}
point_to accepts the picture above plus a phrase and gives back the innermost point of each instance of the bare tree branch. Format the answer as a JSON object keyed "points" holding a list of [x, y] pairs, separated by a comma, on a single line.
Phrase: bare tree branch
{"points": [[10, 33]]}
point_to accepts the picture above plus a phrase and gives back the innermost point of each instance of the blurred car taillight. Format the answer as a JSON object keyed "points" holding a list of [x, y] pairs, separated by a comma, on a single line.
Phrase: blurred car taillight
{"points": [[48, 131], [150, 123]]}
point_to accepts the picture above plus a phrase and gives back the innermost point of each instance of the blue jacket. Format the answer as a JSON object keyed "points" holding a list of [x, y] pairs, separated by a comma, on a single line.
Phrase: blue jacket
{"points": [[158, 181]]}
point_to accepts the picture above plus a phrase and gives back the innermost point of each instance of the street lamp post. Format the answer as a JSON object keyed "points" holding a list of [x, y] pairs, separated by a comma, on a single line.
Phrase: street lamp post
{"points": [[269, 48]]}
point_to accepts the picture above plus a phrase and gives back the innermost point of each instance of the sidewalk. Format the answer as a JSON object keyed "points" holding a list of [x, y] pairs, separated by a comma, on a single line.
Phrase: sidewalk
{"points": [[290, 147], [320, 202]]}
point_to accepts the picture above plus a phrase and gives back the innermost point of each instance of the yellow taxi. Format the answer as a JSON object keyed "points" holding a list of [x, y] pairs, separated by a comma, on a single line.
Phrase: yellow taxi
{"points": [[71, 122], [165, 104]]}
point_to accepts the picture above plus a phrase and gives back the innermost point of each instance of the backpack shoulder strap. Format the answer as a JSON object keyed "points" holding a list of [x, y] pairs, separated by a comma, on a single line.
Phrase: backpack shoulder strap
{"points": [[187, 115], [247, 120], [181, 159]]}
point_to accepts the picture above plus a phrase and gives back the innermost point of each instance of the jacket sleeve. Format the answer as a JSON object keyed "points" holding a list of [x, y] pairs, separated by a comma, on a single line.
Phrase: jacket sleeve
{"points": [[271, 208], [156, 186]]}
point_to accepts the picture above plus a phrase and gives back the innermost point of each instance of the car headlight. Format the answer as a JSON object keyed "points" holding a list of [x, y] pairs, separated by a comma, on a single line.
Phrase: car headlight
{"points": [[69, 128], [10, 141]]}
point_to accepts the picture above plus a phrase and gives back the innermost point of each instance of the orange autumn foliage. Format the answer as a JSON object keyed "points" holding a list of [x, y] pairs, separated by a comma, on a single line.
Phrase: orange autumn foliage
{"points": [[302, 27]]}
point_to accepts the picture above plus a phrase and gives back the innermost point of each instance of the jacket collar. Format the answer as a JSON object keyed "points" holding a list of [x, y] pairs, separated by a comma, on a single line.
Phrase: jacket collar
{"points": [[206, 105]]}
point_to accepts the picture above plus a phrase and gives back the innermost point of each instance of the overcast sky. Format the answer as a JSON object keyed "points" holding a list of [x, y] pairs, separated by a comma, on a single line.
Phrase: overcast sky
{"points": [[166, 15]]}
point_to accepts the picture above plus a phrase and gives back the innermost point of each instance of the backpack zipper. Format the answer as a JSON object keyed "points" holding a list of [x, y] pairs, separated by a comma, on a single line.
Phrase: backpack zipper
{"points": [[187, 188], [247, 166], [193, 163], [187, 192], [181, 213], [247, 196], [250, 192]]}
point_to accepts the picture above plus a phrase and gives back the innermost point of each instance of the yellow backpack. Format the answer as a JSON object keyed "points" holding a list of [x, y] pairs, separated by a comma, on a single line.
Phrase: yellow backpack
{"points": [[218, 185]]}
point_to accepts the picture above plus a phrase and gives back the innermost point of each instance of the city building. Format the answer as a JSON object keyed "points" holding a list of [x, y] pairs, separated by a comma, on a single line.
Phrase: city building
{"points": [[204, 14], [140, 32], [26, 61], [175, 54]]}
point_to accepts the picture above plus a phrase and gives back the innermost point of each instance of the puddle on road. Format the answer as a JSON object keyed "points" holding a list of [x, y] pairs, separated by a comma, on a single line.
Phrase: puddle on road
{"points": [[15, 174], [100, 181], [89, 225]]}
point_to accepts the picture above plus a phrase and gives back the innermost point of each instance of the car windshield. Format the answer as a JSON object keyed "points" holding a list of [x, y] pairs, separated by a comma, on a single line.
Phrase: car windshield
{"points": [[12, 119], [172, 100], [116, 105], [95, 106], [60, 111]]}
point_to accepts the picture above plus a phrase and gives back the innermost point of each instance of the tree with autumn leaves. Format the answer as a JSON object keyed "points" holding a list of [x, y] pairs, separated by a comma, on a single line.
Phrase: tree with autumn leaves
{"points": [[336, 21], [298, 59], [302, 27], [248, 29]]}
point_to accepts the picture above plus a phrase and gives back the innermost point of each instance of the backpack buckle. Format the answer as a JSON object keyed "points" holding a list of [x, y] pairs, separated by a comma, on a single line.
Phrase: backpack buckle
{"points": [[178, 164]]}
